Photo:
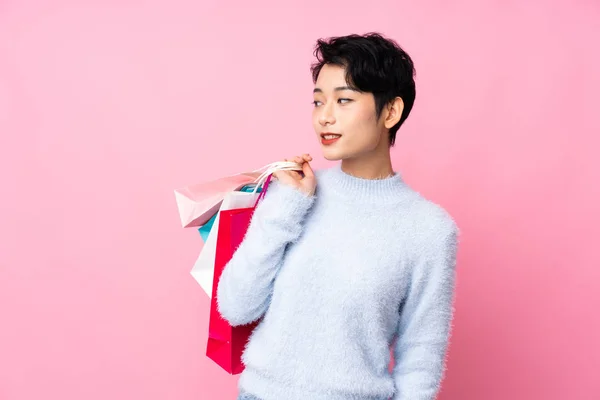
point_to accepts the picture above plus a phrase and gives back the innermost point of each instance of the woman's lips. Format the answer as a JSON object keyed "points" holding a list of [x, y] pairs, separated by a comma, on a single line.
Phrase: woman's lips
{"points": [[329, 139]]}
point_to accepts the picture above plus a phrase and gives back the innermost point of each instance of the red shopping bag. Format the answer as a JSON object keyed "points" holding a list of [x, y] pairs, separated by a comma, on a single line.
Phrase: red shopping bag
{"points": [[226, 343]]}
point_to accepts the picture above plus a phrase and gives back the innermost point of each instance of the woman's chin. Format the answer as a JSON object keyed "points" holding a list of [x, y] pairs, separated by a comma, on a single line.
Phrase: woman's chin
{"points": [[332, 155]]}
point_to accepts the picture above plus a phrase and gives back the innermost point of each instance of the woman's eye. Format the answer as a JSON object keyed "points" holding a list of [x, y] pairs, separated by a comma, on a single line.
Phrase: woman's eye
{"points": [[344, 101], [316, 103]]}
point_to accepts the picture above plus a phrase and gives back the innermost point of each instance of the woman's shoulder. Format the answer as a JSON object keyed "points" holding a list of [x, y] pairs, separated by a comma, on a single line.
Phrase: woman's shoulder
{"points": [[427, 219]]}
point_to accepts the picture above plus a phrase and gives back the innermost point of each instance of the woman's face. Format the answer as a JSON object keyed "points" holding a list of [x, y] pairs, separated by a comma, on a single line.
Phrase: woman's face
{"points": [[347, 114]]}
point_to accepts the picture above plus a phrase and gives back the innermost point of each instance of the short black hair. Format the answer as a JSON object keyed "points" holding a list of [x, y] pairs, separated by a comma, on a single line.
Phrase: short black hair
{"points": [[374, 64]]}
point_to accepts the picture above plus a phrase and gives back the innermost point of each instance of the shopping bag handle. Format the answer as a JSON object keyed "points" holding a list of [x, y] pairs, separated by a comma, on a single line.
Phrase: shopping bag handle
{"points": [[280, 165], [273, 167], [264, 190]]}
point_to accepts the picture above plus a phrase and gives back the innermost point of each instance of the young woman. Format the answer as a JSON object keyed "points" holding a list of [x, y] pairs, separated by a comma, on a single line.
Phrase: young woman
{"points": [[348, 262]]}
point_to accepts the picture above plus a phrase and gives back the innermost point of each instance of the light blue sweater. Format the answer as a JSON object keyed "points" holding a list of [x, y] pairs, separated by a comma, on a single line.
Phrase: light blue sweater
{"points": [[341, 278]]}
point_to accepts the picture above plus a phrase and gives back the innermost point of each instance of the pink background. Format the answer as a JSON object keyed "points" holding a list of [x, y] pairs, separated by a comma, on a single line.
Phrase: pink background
{"points": [[106, 108]]}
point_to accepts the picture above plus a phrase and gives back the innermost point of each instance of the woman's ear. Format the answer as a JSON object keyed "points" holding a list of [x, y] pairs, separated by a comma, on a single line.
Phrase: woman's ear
{"points": [[394, 112]]}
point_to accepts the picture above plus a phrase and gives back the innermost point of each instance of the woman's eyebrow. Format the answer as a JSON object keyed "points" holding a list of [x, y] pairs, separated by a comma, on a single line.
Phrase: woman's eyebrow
{"points": [[337, 89]]}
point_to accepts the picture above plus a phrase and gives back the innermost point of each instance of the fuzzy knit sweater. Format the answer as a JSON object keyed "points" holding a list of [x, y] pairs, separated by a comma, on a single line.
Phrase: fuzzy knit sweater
{"points": [[339, 279]]}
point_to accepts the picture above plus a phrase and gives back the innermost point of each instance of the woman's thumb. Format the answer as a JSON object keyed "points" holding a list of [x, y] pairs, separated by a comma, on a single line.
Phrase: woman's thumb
{"points": [[307, 170]]}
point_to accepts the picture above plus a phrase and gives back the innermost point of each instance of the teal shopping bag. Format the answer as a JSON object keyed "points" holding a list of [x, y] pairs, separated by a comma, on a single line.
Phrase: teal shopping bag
{"points": [[249, 188], [205, 229]]}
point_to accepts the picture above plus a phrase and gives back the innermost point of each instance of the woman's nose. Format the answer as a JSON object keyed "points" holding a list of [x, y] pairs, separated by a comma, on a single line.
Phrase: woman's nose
{"points": [[326, 117]]}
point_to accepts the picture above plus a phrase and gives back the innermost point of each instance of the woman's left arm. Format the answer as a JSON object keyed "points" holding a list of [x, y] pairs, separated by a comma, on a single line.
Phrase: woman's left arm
{"points": [[424, 328]]}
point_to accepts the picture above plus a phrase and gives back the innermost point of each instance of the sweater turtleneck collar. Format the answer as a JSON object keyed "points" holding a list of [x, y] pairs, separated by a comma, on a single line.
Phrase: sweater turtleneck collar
{"points": [[386, 190]]}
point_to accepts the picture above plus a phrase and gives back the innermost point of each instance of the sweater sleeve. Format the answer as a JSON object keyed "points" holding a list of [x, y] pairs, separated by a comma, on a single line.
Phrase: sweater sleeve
{"points": [[246, 284], [425, 320]]}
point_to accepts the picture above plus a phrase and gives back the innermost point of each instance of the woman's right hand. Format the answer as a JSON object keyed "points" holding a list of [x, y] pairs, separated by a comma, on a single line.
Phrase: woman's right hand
{"points": [[305, 181]]}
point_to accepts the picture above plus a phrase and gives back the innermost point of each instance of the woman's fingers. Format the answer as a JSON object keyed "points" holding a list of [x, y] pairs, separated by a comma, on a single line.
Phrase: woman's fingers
{"points": [[302, 160], [307, 170], [299, 159]]}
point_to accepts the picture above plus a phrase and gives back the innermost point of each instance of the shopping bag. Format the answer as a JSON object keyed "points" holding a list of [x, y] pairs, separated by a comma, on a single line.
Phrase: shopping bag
{"points": [[203, 269], [226, 343], [206, 228], [198, 203], [251, 188]]}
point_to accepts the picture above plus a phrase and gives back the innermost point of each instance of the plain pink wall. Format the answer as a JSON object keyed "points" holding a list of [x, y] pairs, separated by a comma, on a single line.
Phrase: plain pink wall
{"points": [[106, 108]]}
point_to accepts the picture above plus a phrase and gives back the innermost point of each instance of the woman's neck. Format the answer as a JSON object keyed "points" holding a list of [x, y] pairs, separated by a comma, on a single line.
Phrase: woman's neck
{"points": [[375, 167]]}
